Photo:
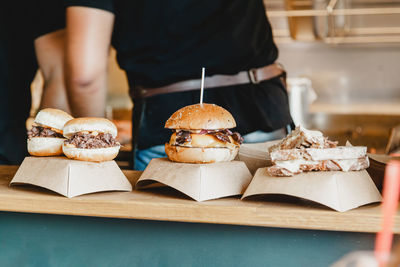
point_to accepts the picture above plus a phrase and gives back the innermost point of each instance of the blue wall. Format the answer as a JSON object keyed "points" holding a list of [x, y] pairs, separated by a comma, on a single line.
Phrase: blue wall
{"points": [[54, 240]]}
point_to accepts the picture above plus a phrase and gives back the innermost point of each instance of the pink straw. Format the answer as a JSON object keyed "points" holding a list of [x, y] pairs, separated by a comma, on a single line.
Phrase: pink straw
{"points": [[391, 188]]}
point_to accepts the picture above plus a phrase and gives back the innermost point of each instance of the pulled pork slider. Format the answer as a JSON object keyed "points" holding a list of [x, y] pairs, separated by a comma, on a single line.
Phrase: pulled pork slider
{"points": [[90, 139], [45, 138], [201, 135]]}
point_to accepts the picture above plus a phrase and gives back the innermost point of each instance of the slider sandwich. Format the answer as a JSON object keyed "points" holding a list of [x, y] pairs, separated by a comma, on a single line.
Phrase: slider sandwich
{"points": [[201, 135], [90, 139], [304, 150], [46, 136]]}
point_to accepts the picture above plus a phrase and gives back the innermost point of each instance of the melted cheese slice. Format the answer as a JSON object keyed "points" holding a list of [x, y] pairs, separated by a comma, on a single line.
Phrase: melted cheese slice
{"points": [[203, 140]]}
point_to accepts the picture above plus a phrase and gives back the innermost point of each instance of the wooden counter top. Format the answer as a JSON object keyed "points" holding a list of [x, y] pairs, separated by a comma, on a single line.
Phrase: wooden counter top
{"points": [[168, 205]]}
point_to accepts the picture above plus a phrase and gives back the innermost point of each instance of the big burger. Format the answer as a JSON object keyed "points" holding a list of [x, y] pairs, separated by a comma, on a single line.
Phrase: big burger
{"points": [[45, 138], [201, 135], [90, 139]]}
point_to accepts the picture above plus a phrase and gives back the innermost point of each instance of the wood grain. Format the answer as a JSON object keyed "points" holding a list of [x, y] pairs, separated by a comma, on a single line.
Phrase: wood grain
{"points": [[168, 205]]}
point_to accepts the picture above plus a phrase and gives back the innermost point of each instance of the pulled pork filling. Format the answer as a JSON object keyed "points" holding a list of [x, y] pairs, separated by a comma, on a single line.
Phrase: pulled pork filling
{"points": [[91, 140], [39, 131], [183, 136]]}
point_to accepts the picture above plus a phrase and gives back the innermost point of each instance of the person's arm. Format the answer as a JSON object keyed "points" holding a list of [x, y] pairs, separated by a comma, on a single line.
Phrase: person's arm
{"points": [[88, 40], [49, 50]]}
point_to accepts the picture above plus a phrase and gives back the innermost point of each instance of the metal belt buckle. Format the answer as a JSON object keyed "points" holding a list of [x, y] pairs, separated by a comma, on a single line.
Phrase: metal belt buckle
{"points": [[253, 76]]}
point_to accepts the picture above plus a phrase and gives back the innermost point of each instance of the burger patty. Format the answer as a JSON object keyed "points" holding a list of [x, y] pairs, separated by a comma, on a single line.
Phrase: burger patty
{"points": [[39, 131], [83, 140], [183, 136]]}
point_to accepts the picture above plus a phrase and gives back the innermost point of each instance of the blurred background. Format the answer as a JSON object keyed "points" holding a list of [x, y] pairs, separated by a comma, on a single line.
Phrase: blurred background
{"points": [[342, 58]]}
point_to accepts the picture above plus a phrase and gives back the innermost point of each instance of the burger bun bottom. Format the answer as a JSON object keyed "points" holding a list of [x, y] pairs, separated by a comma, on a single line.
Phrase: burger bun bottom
{"points": [[45, 146], [199, 155], [91, 154]]}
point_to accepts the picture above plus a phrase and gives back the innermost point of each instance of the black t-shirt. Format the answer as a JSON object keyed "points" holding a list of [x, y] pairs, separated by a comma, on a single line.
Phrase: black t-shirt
{"points": [[49, 17], [160, 42]]}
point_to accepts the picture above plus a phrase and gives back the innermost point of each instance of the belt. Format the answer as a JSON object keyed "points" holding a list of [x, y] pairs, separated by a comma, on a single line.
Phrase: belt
{"points": [[253, 76]]}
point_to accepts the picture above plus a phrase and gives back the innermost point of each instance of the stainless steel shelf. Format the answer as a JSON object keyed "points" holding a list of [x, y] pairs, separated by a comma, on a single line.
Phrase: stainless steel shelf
{"points": [[332, 21]]}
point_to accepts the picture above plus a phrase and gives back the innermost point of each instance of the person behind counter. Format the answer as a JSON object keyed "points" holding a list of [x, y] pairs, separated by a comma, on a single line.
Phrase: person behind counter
{"points": [[24, 28], [17, 69], [49, 50], [162, 46]]}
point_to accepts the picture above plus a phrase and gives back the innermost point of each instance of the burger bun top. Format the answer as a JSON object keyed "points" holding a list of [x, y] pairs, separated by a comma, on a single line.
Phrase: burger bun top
{"points": [[201, 116], [53, 118], [90, 124]]}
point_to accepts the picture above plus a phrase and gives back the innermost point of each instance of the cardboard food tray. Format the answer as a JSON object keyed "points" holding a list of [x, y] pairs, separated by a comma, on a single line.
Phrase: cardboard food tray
{"points": [[199, 181], [338, 190], [71, 178]]}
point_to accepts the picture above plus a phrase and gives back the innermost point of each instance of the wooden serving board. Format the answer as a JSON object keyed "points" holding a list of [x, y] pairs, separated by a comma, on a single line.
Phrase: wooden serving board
{"points": [[168, 205]]}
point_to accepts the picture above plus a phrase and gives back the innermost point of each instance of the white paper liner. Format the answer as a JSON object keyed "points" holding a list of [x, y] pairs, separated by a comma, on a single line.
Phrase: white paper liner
{"points": [[255, 155]]}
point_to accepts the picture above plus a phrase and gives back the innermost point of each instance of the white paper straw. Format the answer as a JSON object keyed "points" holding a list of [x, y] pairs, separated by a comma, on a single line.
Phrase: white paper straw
{"points": [[203, 71]]}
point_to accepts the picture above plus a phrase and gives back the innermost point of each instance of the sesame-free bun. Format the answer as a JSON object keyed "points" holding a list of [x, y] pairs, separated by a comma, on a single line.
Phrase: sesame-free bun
{"points": [[91, 154], [100, 125], [199, 155], [45, 146], [53, 118], [201, 116]]}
